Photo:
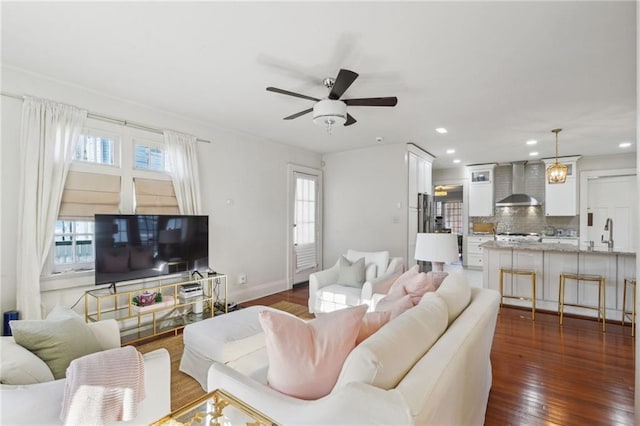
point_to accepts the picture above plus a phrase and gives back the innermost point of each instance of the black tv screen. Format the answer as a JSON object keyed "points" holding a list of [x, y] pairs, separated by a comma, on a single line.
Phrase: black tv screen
{"points": [[130, 247]]}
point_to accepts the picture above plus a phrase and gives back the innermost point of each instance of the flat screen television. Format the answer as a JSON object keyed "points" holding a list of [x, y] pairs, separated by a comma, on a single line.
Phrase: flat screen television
{"points": [[136, 246]]}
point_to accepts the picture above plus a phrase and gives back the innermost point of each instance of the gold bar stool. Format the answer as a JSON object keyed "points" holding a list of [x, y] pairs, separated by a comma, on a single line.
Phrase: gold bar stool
{"points": [[631, 315], [583, 277], [529, 272]]}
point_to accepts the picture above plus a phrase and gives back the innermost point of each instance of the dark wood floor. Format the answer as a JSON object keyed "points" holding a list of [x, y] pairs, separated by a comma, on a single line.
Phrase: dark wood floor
{"points": [[544, 374]]}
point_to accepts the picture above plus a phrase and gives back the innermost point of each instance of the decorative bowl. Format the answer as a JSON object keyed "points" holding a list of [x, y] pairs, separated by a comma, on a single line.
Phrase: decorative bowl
{"points": [[146, 298]]}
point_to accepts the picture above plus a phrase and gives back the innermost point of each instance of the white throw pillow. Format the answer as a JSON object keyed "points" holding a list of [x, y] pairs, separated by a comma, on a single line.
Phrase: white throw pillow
{"points": [[19, 366], [456, 292]]}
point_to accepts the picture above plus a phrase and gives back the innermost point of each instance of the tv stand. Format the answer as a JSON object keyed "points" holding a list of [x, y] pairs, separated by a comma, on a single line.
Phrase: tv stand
{"points": [[176, 309]]}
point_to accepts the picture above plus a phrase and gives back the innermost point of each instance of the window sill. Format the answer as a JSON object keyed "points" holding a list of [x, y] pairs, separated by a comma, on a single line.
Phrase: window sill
{"points": [[66, 280]]}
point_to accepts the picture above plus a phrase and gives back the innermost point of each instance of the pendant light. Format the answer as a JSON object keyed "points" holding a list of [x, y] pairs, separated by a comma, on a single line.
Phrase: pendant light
{"points": [[557, 172]]}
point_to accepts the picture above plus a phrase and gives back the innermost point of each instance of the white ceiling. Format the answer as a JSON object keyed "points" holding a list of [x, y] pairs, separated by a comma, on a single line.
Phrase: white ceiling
{"points": [[495, 74]]}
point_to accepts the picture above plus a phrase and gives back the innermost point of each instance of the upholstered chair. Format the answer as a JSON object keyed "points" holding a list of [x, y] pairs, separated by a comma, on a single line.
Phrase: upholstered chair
{"points": [[349, 283]]}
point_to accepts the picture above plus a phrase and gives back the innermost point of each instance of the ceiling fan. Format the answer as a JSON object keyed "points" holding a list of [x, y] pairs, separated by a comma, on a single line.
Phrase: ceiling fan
{"points": [[332, 110]]}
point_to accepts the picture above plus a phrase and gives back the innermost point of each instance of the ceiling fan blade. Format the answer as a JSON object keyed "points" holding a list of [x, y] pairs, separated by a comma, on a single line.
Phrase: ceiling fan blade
{"points": [[350, 120], [388, 102], [298, 114], [286, 92], [344, 79]]}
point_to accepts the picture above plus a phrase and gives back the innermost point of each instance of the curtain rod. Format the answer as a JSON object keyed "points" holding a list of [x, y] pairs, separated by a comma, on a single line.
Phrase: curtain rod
{"points": [[108, 119]]}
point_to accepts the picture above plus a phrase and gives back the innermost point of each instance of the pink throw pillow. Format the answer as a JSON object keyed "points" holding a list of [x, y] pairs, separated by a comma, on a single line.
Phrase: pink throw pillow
{"points": [[384, 286], [437, 277], [372, 322], [305, 358], [411, 272], [394, 306], [417, 286]]}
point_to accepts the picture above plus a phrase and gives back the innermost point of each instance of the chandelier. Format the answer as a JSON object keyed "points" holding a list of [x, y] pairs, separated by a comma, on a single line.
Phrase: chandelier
{"points": [[557, 172]]}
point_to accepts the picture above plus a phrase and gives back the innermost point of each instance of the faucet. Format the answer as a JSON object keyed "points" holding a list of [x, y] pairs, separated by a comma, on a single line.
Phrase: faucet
{"points": [[608, 226]]}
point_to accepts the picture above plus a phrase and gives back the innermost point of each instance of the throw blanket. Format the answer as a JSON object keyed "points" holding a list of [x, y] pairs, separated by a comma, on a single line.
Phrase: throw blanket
{"points": [[103, 387]]}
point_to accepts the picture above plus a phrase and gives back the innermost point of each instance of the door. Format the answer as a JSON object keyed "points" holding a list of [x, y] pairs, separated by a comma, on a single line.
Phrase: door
{"points": [[613, 197], [305, 224]]}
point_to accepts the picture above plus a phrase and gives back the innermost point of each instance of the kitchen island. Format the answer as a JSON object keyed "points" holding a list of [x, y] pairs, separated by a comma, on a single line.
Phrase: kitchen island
{"points": [[549, 260]]}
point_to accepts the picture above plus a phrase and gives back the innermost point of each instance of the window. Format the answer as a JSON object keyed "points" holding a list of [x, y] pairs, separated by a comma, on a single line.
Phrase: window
{"points": [[453, 216], [95, 149], [73, 245], [149, 157]]}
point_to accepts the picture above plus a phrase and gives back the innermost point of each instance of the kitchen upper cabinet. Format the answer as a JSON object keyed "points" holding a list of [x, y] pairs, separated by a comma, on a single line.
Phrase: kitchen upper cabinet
{"points": [[561, 199], [420, 180], [481, 194]]}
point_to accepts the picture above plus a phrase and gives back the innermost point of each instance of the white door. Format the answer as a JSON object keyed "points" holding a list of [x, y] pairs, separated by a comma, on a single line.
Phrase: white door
{"points": [[305, 225], [613, 197]]}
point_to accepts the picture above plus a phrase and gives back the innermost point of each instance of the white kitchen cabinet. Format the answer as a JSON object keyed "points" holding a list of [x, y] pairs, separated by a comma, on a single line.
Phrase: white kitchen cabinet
{"points": [[561, 199], [420, 180], [481, 194], [475, 253]]}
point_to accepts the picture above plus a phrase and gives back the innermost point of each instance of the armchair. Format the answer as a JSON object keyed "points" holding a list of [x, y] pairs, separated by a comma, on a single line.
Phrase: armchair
{"points": [[326, 294]]}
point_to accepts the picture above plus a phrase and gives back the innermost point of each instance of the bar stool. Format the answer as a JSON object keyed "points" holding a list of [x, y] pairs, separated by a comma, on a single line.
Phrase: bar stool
{"points": [[529, 272], [583, 277], [631, 315]]}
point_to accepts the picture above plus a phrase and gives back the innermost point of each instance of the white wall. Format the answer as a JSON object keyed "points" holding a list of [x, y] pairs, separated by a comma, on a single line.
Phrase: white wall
{"points": [[365, 201], [248, 235]]}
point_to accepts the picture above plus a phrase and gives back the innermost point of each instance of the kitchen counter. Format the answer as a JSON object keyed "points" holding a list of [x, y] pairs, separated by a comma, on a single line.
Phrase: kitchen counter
{"points": [[549, 260], [566, 248]]}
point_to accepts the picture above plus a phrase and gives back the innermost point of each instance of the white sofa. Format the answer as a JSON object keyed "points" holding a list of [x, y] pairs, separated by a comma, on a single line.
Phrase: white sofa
{"points": [[430, 365], [326, 294], [41, 403]]}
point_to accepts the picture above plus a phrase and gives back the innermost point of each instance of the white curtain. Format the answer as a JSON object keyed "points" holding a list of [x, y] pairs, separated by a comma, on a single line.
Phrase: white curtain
{"points": [[183, 162], [48, 136]]}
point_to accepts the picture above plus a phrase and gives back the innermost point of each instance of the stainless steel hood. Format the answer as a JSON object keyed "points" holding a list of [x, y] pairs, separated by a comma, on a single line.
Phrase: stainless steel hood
{"points": [[518, 197]]}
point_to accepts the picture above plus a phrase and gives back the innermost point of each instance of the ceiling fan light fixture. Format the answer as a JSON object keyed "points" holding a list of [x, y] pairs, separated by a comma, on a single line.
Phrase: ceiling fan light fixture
{"points": [[557, 172], [328, 113]]}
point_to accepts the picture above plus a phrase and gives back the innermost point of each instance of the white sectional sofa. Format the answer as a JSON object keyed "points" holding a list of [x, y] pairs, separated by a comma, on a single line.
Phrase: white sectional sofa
{"points": [[40, 402], [430, 365]]}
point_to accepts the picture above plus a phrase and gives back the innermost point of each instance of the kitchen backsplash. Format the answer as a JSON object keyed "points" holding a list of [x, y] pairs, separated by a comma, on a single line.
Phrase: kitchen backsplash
{"points": [[524, 219]]}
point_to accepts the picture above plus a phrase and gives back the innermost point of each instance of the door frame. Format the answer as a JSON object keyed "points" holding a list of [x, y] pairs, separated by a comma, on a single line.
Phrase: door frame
{"points": [[585, 177], [291, 170]]}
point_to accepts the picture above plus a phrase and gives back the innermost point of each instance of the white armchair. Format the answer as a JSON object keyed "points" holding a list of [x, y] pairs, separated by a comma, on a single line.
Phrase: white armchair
{"points": [[326, 294]]}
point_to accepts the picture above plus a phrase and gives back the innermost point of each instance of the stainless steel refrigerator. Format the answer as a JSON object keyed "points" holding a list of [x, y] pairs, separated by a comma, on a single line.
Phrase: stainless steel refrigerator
{"points": [[426, 222]]}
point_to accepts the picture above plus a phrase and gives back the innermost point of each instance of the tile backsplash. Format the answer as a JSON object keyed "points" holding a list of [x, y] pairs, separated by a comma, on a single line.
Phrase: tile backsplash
{"points": [[523, 219]]}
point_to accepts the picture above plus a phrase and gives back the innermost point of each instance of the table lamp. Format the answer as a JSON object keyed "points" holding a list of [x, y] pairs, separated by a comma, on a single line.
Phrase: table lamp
{"points": [[437, 249]]}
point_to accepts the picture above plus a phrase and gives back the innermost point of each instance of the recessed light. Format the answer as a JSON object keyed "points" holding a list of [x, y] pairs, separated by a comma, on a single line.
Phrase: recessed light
{"points": [[441, 130], [533, 153], [625, 145], [532, 142], [451, 151], [379, 139], [456, 161]]}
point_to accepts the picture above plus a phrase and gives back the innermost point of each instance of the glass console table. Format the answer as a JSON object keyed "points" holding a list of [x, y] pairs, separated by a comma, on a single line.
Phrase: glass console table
{"points": [[215, 408]]}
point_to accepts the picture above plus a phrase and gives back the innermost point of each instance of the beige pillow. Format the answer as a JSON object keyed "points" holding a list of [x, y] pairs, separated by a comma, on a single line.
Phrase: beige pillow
{"points": [[56, 342]]}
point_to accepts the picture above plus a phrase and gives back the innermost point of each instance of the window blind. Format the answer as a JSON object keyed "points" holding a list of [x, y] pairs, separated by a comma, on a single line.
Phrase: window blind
{"points": [[155, 197], [86, 194]]}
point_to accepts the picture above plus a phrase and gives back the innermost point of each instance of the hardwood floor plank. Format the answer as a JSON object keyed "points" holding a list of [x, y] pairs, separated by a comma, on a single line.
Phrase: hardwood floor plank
{"points": [[545, 374]]}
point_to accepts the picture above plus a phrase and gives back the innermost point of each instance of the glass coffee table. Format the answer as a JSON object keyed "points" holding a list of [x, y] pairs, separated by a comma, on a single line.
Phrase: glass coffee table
{"points": [[216, 408]]}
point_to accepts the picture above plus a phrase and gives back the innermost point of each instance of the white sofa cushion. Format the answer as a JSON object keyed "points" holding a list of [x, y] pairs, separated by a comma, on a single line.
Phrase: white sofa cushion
{"points": [[20, 366], [384, 358], [379, 258], [456, 292]]}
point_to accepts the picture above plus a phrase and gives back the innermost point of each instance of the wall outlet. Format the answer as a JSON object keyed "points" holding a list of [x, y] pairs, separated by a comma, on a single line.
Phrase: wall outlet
{"points": [[242, 278]]}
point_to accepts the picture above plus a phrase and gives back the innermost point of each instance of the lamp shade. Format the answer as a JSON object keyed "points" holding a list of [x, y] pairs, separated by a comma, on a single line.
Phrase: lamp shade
{"points": [[439, 247]]}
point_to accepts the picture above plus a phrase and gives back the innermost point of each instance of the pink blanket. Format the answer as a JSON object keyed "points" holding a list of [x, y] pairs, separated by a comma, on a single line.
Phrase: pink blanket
{"points": [[103, 387]]}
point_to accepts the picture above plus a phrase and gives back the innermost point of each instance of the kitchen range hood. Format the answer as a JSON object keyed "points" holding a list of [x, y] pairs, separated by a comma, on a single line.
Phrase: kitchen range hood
{"points": [[518, 198]]}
